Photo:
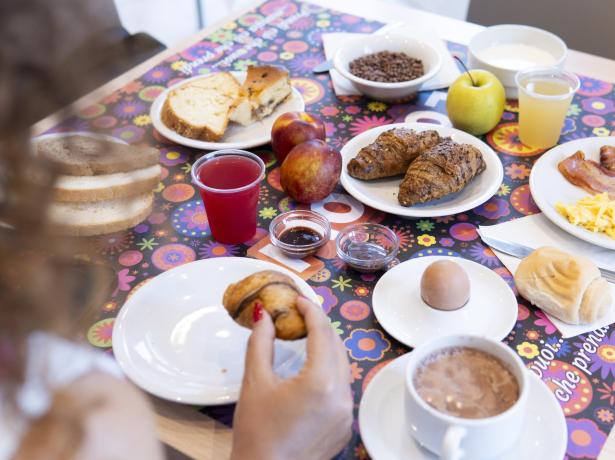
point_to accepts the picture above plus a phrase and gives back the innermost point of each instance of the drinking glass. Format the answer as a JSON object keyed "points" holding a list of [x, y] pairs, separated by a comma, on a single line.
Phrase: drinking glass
{"points": [[544, 97], [228, 181]]}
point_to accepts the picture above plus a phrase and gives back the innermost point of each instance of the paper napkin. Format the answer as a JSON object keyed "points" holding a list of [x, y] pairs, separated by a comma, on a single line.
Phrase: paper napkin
{"points": [[443, 79], [536, 231]]}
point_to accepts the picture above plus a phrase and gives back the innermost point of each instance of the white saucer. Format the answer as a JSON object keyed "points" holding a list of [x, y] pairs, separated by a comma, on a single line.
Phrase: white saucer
{"points": [[490, 312], [236, 136], [174, 339], [382, 194], [386, 434]]}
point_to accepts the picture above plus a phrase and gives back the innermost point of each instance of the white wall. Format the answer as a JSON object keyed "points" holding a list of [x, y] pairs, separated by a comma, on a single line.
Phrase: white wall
{"points": [[171, 21]]}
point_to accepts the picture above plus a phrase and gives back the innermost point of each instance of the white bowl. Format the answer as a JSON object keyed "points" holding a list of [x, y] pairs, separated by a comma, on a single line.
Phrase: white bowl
{"points": [[549, 50], [389, 92]]}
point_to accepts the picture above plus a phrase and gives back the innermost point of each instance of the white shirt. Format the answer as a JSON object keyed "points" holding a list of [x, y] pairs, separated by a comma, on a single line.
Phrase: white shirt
{"points": [[52, 363]]}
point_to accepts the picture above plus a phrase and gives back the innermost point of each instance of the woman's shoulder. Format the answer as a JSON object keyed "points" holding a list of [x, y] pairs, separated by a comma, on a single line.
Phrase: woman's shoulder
{"points": [[54, 362], [70, 381]]}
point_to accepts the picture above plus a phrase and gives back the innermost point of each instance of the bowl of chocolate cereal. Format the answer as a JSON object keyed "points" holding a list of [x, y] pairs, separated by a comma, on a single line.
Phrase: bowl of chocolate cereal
{"points": [[389, 67]]}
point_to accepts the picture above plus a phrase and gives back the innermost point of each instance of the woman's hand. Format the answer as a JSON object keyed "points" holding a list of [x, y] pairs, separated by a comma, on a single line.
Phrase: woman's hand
{"points": [[305, 417]]}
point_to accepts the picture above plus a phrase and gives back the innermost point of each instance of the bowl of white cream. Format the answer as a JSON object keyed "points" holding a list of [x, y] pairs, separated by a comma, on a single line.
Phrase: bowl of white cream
{"points": [[508, 48]]}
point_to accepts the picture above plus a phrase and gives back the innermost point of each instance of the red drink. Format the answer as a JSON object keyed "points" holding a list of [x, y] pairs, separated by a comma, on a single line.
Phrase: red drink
{"points": [[229, 184]]}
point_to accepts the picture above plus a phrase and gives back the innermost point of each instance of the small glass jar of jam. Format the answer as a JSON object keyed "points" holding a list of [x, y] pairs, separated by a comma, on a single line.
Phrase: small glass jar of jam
{"points": [[299, 233]]}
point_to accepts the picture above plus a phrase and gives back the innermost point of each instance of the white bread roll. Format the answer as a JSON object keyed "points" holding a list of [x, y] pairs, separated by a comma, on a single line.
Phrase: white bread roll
{"points": [[566, 286]]}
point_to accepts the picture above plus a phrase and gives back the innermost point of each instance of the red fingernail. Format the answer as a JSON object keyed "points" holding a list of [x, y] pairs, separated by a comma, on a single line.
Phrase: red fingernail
{"points": [[257, 313]]}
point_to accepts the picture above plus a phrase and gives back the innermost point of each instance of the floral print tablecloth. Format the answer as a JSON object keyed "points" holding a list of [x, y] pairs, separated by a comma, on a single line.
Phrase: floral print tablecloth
{"points": [[289, 33]]}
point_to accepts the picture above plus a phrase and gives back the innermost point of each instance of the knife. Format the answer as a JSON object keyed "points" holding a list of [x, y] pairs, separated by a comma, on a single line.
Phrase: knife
{"points": [[327, 65], [520, 251]]}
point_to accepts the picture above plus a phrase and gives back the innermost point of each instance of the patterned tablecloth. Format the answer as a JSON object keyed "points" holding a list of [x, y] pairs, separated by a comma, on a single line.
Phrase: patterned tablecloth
{"points": [[177, 232]]}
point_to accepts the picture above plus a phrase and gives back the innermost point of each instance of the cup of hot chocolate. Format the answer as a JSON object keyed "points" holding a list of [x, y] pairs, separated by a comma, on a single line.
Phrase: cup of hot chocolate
{"points": [[465, 397]]}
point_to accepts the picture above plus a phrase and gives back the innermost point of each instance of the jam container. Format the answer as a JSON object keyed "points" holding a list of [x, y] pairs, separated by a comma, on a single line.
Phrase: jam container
{"points": [[299, 233]]}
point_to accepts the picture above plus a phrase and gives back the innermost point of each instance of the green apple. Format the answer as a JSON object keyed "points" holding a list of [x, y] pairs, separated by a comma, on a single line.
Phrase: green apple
{"points": [[475, 101]]}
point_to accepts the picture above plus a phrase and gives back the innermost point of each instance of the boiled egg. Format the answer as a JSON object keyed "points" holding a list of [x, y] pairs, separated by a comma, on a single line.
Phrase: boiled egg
{"points": [[445, 285]]}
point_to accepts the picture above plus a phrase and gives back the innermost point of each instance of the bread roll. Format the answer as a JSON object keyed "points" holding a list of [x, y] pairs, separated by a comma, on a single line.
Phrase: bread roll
{"points": [[566, 286], [277, 293]]}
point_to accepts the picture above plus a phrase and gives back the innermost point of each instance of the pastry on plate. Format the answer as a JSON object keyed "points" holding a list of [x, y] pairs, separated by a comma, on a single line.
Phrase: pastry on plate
{"points": [[200, 108], [569, 287], [264, 88], [276, 293], [444, 169], [391, 153]]}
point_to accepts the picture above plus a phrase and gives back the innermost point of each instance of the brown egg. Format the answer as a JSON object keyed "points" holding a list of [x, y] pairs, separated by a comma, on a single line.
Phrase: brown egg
{"points": [[445, 285]]}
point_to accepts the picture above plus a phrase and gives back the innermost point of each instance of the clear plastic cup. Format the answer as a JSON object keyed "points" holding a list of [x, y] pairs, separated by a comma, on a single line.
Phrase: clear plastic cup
{"points": [[228, 181], [544, 97]]}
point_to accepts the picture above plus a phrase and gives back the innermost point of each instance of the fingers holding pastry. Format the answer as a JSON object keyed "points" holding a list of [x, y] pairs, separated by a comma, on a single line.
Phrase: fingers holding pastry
{"points": [[259, 353], [276, 293], [325, 350]]}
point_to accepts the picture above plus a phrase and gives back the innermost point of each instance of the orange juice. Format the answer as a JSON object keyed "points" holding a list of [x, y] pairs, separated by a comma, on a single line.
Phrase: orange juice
{"points": [[544, 98]]}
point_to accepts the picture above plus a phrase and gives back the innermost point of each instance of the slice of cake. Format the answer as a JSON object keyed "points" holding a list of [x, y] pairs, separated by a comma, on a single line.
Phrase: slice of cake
{"points": [[264, 89], [200, 108]]}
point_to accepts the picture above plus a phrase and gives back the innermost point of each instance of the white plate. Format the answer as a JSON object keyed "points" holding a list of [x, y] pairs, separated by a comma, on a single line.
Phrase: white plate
{"points": [[549, 186], [236, 135], [400, 310], [174, 339], [386, 433], [382, 194]]}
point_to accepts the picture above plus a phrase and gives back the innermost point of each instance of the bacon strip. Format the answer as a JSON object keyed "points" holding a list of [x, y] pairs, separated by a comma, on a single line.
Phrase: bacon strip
{"points": [[588, 174]]}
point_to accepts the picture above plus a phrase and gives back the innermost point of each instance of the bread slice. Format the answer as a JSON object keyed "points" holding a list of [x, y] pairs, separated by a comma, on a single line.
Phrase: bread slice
{"points": [[106, 186], [87, 219], [200, 108], [77, 155], [264, 88]]}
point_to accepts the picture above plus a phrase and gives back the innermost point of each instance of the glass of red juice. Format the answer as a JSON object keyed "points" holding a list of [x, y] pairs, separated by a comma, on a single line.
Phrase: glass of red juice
{"points": [[228, 181]]}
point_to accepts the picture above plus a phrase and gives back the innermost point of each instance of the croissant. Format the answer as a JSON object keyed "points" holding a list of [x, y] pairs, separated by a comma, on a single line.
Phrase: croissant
{"points": [[276, 292], [569, 287], [391, 153], [444, 169]]}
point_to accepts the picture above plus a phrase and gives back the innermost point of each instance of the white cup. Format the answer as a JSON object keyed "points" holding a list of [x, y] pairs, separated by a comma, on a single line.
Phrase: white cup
{"points": [[455, 438]]}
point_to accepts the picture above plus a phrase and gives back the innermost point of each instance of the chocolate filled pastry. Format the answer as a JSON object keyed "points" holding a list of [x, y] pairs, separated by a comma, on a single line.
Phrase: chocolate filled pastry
{"points": [[277, 293]]}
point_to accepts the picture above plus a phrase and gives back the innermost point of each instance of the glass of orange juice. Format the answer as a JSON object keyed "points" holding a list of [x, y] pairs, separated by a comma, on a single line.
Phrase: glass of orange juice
{"points": [[544, 97]]}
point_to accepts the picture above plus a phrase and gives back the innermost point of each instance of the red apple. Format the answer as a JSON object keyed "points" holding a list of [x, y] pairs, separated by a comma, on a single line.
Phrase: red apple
{"points": [[293, 128], [311, 171]]}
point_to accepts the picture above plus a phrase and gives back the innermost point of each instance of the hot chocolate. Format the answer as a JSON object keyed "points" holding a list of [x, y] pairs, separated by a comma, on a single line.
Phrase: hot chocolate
{"points": [[466, 382]]}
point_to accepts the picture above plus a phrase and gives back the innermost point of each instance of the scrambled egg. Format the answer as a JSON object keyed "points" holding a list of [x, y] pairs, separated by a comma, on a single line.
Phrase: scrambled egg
{"points": [[595, 213]]}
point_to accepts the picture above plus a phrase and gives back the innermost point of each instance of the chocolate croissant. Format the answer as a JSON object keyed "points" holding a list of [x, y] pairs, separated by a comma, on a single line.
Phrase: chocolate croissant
{"points": [[277, 293], [391, 153], [444, 169]]}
